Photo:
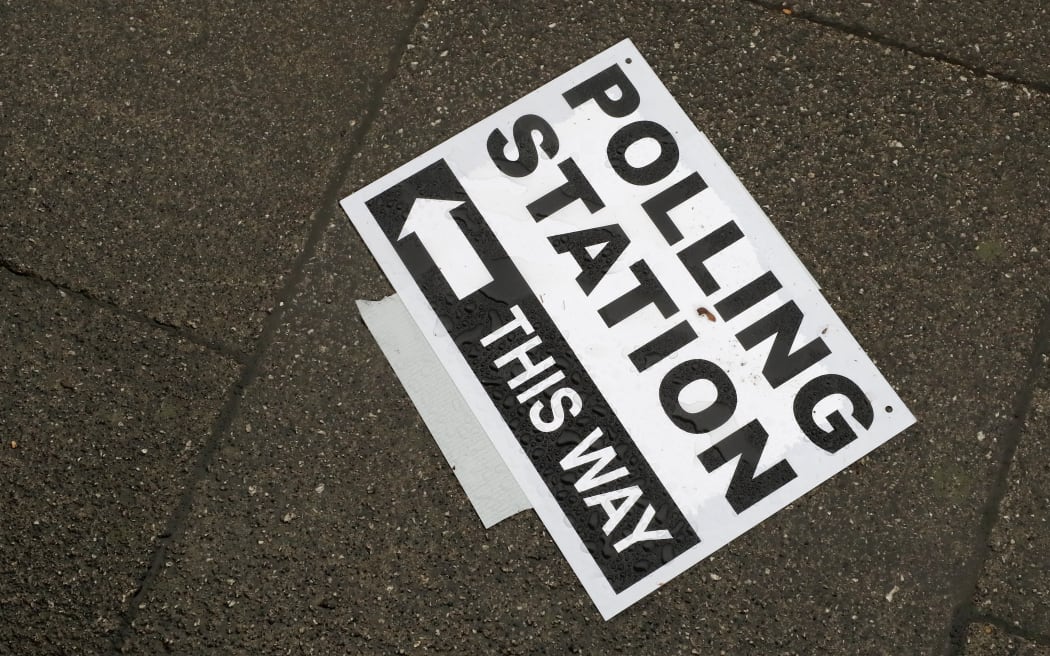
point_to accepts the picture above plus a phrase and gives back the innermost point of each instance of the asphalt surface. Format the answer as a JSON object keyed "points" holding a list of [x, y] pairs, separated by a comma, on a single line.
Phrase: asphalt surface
{"points": [[1009, 41], [204, 451]]}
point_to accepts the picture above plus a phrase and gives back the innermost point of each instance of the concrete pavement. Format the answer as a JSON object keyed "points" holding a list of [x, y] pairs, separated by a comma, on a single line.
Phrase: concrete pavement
{"points": [[205, 452]]}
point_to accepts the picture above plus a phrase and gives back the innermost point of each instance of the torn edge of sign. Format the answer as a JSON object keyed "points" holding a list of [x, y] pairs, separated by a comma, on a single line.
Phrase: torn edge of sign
{"points": [[477, 465]]}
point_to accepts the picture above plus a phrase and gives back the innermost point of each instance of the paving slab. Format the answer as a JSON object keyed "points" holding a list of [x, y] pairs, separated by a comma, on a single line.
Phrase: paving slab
{"points": [[168, 157], [101, 418], [1009, 39], [988, 640], [329, 521], [1015, 584]]}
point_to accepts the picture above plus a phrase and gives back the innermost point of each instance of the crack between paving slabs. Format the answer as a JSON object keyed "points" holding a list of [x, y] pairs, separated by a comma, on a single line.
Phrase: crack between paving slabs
{"points": [[862, 32], [86, 298], [328, 205], [1012, 629], [964, 612]]}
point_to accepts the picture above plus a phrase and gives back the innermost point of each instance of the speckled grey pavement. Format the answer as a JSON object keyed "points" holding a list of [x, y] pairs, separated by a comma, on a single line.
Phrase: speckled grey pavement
{"points": [[203, 450], [1009, 40]]}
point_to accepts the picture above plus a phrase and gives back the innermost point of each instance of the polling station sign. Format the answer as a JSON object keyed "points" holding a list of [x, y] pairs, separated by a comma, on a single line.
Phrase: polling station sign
{"points": [[646, 353]]}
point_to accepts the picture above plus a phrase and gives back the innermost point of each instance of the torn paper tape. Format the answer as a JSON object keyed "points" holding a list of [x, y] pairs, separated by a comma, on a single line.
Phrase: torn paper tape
{"points": [[480, 470]]}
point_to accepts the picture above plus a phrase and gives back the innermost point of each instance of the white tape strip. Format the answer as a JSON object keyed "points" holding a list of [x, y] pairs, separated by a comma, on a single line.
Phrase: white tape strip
{"points": [[485, 478]]}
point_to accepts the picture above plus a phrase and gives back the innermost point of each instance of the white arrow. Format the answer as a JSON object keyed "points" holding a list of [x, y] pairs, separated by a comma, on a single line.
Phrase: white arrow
{"points": [[431, 220]]}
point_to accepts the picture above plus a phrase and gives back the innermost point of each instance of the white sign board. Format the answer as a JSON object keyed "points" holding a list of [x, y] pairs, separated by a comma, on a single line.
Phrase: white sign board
{"points": [[654, 364]]}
